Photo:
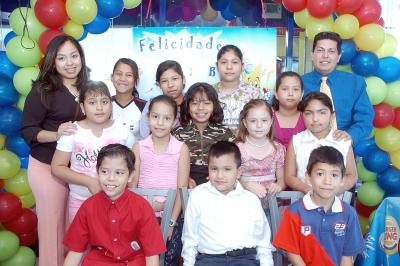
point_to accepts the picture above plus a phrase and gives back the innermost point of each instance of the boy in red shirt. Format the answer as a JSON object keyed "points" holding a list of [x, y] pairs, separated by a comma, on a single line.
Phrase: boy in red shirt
{"points": [[119, 225]]}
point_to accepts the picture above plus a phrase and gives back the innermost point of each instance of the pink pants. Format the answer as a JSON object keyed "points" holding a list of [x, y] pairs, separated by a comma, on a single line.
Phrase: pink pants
{"points": [[51, 200], [73, 206]]}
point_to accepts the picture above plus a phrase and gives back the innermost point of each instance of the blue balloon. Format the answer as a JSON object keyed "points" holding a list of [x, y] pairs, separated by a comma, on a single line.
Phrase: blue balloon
{"points": [[98, 25], [8, 94], [361, 148], [365, 64], [389, 69], [219, 5], [226, 13], [349, 51], [7, 68], [376, 160], [24, 162], [8, 37], [10, 121], [84, 35], [110, 8], [389, 180], [17, 145]]}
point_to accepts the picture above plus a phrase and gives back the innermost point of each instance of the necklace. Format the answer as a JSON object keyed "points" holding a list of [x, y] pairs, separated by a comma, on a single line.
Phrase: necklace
{"points": [[75, 94], [256, 145]]}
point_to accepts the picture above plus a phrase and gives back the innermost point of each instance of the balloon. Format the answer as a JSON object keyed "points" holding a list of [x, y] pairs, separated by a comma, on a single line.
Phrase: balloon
{"points": [[24, 162], [18, 184], [346, 26], [188, 12], [21, 102], [33, 3], [395, 158], [393, 94], [10, 207], [321, 8], [361, 148], [110, 8], [24, 256], [73, 29], [23, 224], [384, 115], [389, 69], [294, 5], [33, 25], [369, 12], [27, 201], [9, 244], [239, 7], [389, 180], [375, 159], [23, 79], [227, 14], [388, 47], [23, 52], [174, 13], [364, 224], [98, 25], [370, 37], [362, 209], [81, 11], [388, 138], [370, 194], [84, 35], [219, 5], [2, 142], [8, 37], [301, 17], [346, 68], [10, 121], [17, 145], [376, 89], [396, 121], [46, 38], [7, 68], [209, 14], [51, 13], [347, 6], [315, 26], [8, 94], [365, 64], [9, 164], [364, 174], [381, 22], [129, 4], [28, 239]]}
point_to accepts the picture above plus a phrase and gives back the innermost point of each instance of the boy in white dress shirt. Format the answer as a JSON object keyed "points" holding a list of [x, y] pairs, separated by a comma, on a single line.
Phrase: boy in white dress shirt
{"points": [[225, 224]]}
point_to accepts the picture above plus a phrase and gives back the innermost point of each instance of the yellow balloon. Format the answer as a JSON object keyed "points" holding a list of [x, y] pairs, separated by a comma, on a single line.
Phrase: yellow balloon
{"points": [[372, 134], [28, 200], [395, 158], [388, 47], [301, 17], [346, 26], [371, 217], [370, 37], [209, 13], [21, 102], [388, 138], [129, 4], [2, 141], [73, 29], [81, 11], [317, 25], [364, 224]]}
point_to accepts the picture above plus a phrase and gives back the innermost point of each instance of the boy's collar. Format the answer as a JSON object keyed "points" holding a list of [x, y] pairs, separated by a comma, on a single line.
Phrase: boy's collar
{"points": [[119, 200], [238, 189], [310, 205]]}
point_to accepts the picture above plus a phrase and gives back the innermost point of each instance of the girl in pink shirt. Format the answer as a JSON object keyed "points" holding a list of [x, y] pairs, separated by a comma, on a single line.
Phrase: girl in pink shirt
{"points": [[162, 162]]}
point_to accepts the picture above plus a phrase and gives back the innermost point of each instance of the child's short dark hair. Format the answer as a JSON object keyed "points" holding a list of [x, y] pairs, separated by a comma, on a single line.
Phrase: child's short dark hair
{"points": [[279, 80], [319, 96], [164, 99], [328, 155], [117, 150], [328, 35], [223, 148]]}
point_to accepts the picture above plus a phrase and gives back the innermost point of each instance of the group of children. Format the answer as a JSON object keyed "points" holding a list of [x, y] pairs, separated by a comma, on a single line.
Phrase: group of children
{"points": [[227, 144]]}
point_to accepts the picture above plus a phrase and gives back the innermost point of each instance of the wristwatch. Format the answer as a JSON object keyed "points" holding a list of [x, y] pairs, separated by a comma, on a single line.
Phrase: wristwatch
{"points": [[172, 223]]}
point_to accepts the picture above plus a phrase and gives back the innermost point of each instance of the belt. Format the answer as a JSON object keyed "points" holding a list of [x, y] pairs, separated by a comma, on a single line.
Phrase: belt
{"points": [[235, 252]]}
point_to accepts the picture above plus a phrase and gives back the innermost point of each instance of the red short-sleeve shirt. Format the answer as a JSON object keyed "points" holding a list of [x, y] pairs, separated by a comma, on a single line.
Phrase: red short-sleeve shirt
{"points": [[123, 231]]}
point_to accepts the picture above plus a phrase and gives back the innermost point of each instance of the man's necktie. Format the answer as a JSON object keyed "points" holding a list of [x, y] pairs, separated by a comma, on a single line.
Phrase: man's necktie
{"points": [[325, 89]]}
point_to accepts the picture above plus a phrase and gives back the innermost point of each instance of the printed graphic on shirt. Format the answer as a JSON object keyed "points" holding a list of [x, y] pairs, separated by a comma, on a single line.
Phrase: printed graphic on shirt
{"points": [[340, 228], [305, 230]]}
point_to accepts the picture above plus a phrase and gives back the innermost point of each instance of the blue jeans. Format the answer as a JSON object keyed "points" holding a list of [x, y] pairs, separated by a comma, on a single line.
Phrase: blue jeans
{"points": [[218, 260]]}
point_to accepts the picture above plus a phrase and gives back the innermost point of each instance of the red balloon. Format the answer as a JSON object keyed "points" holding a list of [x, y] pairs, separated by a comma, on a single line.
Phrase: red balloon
{"points": [[1, 184], [51, 13], [396, 121], [10, 207], [384, 115], [23, 224], [364, 210], [321, 8], [347, 6], [28, 239], [294, 5], [381, 22], [46, 37], [369, 12]]}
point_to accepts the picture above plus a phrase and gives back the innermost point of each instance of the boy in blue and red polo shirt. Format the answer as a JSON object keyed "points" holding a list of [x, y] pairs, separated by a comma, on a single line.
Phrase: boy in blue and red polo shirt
{"points": [[321, 229], [119, 225]]}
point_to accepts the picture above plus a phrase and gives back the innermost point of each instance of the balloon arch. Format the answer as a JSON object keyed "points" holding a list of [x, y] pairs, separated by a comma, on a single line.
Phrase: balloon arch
{"points": [[367, 50]]}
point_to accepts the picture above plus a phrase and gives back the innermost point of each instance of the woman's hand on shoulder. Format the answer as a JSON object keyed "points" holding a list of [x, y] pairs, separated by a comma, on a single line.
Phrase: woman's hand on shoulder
{"points": [[66, 129]]}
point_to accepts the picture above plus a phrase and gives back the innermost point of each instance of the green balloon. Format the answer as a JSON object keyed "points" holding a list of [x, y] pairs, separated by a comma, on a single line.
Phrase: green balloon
{"points": [[9, 243], [129, 4], [370, 194], [81, 11], [21, 102], [393, 95], [376, 89], [18, 184], [23, 79], [9, 164], [364, 174], [346, 68], [28, 200], [33, 26], [23, 51], [388, 138], [24, 257]]}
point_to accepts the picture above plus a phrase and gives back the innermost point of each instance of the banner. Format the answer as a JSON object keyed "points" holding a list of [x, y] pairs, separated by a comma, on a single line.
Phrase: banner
{"points": [[196, 48]]}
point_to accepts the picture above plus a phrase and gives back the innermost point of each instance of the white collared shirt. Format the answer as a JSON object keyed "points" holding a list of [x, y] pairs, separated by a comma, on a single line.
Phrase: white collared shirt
{"points": [[304, 142], [310, 205], [216, 223]]}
